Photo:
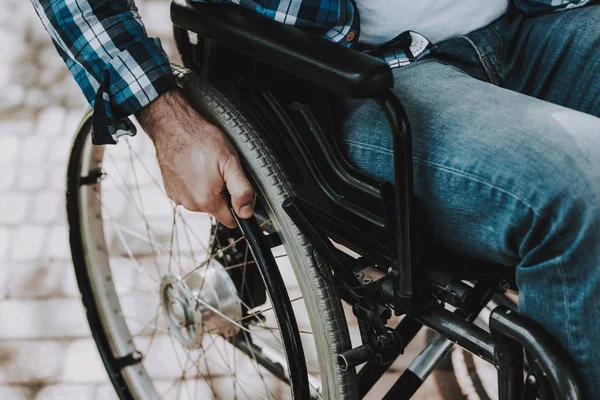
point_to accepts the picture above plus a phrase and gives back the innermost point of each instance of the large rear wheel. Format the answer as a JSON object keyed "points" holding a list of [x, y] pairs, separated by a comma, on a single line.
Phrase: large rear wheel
{"points": [[178, 305]]}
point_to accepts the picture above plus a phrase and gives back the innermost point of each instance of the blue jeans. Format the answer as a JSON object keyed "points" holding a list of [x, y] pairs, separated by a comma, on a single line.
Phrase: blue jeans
{"points": [[506, 140]]}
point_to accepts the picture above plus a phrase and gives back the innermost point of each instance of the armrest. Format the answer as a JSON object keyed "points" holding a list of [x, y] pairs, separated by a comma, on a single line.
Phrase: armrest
{"points": [[345, 71]]}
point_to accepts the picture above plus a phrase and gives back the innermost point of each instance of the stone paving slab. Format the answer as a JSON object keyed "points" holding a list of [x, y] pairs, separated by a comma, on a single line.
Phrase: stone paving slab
{"points": [[16, 392], [66, 391], [33, 362], [40, 280], [42, 318]]}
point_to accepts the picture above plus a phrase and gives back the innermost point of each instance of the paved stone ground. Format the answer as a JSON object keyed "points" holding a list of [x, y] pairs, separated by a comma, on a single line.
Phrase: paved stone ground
{"points": [[46, 351]]}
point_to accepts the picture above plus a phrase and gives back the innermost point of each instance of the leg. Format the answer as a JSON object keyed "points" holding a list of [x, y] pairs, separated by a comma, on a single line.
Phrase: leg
{"points": [[501, 176], [555, 57]]}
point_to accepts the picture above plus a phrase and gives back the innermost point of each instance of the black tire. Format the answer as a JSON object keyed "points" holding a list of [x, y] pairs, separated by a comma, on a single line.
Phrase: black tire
{"points": [[323, 305]]}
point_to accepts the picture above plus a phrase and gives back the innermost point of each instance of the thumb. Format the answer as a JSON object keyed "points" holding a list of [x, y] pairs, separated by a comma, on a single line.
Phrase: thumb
{"points": [[240, 189]]}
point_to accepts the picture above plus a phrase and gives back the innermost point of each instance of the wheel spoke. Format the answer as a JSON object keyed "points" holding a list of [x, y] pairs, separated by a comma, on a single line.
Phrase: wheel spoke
{"points": [[205, 304], [244, 264], [272, 328], [137, 235], [137, 208], [139, 192], [181, 351], [131, 289], [173, 227], [153, 332], [157, 328], [158, 185], [276, 346], [210, 252], [126, 246], [177, 239], [136, 266], [199, 373], [182, 366], [153, 324], [228, 369], [187, 230], [256, 365], [212, 256], [253, 315], [242, 383]]}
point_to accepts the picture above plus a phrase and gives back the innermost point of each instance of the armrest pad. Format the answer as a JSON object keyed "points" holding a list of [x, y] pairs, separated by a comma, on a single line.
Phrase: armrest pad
{"points": [[345, 71]]}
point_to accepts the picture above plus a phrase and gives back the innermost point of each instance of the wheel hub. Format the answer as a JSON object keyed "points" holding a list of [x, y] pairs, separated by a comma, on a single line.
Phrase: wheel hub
{"points": [[205, 301]]}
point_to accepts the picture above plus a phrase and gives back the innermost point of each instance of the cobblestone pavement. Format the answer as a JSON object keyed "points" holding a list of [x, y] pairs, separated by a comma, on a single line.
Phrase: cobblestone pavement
{"points": [[46, 351]]}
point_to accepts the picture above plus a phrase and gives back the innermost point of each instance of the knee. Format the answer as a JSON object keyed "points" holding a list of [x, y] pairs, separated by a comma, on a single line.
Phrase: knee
{"points": [[570, 152], [566, 193], [576, 192]]}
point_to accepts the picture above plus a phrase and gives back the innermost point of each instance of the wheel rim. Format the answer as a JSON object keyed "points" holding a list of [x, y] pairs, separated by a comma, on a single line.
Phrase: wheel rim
{"points": [[148, 280]]}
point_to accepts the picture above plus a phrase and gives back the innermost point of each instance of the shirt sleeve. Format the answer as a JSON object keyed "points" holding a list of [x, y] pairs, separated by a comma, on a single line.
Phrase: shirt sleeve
{"points": [[537, 7], [335, 20], [117, 66]]}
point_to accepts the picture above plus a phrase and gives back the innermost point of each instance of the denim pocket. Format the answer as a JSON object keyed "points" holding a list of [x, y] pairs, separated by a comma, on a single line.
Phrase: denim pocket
{"points": [[487, 43], [461, 54]]}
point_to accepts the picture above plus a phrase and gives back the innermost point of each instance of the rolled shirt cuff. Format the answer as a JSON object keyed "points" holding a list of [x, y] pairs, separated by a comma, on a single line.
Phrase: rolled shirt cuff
{"points": [[133, 79]]}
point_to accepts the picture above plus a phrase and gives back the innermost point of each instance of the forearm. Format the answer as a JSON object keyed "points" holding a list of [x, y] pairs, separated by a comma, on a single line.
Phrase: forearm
{"points": [[161, 111]]}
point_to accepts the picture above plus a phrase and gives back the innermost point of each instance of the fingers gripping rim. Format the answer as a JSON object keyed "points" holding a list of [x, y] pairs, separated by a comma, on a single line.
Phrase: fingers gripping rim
{"points": [[326, 315]]}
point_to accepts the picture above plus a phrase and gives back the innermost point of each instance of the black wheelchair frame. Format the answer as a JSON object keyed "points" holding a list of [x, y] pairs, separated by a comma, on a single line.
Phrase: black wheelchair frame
{"points": [[295, 79]]}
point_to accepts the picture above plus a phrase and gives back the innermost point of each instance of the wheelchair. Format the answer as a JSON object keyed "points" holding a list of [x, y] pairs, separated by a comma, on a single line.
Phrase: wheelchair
{"points": [[318, 294]]}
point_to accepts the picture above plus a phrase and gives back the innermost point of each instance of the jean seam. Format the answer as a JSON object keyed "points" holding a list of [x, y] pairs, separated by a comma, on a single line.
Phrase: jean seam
{"points": [[494, 32], [488, 73], [565, 297], [500, 57], [474, 178], [370, 147], [459, 173], [491, 185], [455, 68]]}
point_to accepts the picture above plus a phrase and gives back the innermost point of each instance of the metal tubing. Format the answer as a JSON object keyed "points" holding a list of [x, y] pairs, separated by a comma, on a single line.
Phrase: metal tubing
{"points": [[510, 369], [451, 326], [555, 364], [242, 343], [368, 376], [295, 210], [403, 197], [281, 304], [424, 364], [405, 387], [419, 369], [461, 332]]}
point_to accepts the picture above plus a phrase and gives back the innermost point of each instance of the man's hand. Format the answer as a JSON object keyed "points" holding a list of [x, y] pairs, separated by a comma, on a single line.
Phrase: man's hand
{"points": [[199, 165]]}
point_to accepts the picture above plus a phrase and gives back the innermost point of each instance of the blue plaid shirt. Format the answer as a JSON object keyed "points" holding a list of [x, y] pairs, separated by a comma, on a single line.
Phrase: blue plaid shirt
{"points": [[120, 69]]}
